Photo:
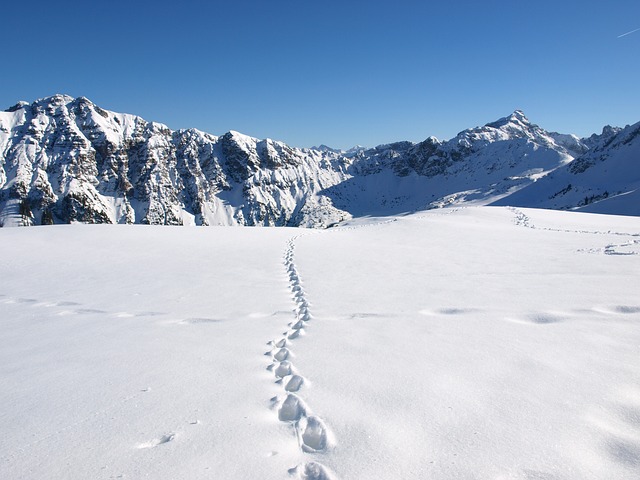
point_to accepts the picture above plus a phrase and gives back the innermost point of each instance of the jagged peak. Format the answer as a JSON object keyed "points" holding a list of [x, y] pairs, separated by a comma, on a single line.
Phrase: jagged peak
{"points": [[17, 106], [608, 130], [243, 141], [326, 148], [57, 99], [516, 118]]}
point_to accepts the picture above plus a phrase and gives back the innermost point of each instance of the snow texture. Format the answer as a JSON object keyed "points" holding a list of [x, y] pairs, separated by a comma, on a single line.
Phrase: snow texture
{"points": [[479, 342]]}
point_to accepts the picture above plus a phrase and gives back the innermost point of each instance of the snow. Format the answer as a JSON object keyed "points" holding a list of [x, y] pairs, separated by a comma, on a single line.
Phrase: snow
{"points": [[474, 343]]}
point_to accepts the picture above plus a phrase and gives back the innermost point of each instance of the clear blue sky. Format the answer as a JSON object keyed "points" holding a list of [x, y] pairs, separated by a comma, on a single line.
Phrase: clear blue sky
{"points": [[336, 72]]}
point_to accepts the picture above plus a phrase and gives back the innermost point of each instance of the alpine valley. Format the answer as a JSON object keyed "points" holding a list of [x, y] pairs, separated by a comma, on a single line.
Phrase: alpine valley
{"points": [[65, 160]]}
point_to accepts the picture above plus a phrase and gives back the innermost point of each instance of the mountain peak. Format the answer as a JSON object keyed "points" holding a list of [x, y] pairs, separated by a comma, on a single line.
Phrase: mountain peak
{"points": [[519, 116], [17, 106], [516, 118], [57, 99]]}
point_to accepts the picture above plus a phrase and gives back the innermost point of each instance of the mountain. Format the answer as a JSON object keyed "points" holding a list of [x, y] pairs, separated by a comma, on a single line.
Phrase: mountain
{"points": [[605, 179], [67, 160]]}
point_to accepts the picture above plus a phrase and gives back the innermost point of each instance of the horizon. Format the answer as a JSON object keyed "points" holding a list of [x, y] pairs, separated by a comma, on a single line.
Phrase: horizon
{"points": [[333, 74]]}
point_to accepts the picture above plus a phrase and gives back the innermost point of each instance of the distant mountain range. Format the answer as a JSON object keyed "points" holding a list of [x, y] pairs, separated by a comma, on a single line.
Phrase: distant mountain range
{"points": [[65, 159]]}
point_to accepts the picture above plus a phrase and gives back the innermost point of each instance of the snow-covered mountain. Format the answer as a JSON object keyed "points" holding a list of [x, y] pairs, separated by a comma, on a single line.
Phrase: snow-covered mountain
{"points": [[65, 160], [605, 179]]}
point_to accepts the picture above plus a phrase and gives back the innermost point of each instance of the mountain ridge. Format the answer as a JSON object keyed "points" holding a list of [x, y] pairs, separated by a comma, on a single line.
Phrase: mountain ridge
{"points": [[65, 160]]}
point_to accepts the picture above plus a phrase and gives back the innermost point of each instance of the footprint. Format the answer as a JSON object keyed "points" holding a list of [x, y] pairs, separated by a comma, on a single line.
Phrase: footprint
{"points": [[27, 300], [89, 310], [281, 355], [626, 309], [542, 318], [158, 441], [314, 434], [292, 409], [282, 343], [150, 314], [545, 318], [298, 325], [283, 369], [294, 384], [293, 335], [200, 320], [455, 311], [311, 471]]}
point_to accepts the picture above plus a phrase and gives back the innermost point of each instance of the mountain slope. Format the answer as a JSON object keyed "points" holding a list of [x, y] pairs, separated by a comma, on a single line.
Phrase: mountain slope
{"points": [[605, 179], [477, 166]]}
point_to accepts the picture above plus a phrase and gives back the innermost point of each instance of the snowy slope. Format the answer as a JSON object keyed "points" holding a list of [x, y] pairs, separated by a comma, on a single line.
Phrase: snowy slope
{"points": [[477, 166], [460, 343], [605, 179]]}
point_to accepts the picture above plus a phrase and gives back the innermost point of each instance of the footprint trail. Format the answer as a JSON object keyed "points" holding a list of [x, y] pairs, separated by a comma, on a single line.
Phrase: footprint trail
{"points": [[310, 431]]}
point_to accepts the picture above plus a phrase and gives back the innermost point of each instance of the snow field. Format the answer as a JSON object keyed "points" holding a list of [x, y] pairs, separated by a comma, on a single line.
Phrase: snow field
{"points": [[461, 343], [472, 347]]}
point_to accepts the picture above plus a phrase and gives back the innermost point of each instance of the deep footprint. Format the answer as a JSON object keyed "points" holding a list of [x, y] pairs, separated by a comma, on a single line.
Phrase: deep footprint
{"points": [[294, 384], [311, 471], [314, 434], [292, 409], [281, 355], [283, 369]]}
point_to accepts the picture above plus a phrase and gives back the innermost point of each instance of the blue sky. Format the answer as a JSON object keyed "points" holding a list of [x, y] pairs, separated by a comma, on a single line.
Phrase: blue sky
{"points": [[334, 72]]}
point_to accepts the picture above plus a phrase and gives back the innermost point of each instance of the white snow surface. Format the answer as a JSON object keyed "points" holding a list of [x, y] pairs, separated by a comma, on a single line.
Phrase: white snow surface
{"points": [[468, 343]]}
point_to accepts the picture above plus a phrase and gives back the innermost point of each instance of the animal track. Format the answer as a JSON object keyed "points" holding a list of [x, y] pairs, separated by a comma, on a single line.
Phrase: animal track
{"points": [[65, 311], [311, 431], [66, 304], [523, 220], [626, 309], [200, 320], [26, 300], [539, 318]]}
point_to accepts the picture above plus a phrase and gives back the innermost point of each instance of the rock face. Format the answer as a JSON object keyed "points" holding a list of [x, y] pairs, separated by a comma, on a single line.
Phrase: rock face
{"points": [[65, 160]]}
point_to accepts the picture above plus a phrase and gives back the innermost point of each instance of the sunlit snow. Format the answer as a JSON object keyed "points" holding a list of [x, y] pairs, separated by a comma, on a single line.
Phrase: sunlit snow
{"points": [[472, 343]]}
